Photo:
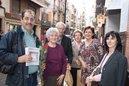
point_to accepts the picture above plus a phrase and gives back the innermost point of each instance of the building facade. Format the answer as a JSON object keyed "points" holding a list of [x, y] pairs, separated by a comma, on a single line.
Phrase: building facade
{"points": [[117, 19], [10, 13], [59, 11]]}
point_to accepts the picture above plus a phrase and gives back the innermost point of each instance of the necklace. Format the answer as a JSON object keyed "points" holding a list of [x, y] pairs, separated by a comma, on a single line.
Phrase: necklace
{"points": [[88, 43]]}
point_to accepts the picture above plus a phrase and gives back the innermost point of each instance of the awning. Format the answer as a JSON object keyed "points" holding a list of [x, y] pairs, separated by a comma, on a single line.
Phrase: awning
{"points": [[39, 2]]}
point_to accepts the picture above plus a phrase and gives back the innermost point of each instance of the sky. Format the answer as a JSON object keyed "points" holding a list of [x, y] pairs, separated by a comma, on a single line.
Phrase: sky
{"points": [[84, 5]]}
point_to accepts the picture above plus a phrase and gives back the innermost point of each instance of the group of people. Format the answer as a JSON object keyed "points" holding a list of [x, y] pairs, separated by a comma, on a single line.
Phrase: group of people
{"points": [[101, 64], [84, 56]]}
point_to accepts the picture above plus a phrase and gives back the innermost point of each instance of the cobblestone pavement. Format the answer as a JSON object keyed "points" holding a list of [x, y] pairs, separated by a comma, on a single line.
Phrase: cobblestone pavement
{"points": [[2, 79]]}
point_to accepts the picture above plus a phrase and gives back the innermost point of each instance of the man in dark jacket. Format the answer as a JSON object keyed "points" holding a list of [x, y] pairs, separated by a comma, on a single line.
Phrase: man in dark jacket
{"points": [[15, 53], [65, 42]]}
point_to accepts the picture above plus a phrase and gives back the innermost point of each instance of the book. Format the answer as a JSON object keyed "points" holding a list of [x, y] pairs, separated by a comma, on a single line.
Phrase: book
{"points": [[35, 53]]}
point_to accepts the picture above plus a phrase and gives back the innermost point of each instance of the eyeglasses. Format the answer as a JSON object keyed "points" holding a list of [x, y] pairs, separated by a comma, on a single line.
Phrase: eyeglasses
{"points": [[29, 19]]}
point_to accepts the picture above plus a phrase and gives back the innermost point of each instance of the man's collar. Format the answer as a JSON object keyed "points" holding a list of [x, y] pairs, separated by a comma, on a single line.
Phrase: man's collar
{"points": [[26, 32]]}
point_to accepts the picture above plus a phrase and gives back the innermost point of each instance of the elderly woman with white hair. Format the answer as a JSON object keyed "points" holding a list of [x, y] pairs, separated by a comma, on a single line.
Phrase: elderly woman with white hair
{"points": [[55, 68]]}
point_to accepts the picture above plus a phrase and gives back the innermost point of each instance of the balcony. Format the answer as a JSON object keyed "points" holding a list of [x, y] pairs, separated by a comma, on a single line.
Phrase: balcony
{"points": [[39, 2], [12, 16]]}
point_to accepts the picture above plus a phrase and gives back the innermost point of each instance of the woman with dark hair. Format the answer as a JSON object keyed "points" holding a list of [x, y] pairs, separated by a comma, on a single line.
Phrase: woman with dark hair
{"points": [[90, 53], [113, 34], [113, 66]]}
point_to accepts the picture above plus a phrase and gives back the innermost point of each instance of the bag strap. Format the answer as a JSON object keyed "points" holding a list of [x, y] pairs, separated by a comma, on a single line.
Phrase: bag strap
{"points": [[103, 60]]}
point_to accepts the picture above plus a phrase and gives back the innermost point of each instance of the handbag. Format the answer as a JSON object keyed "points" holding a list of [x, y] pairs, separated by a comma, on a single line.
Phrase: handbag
{"points": [[95, 72], [68, 80], [98, 69]]}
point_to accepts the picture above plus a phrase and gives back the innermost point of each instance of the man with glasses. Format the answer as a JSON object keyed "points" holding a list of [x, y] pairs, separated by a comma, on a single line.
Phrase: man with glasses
{"points": [[25, 37]]}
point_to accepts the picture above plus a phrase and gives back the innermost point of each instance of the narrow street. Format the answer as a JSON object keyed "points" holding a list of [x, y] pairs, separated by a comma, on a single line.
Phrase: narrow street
{"points": [[102, 16], [2, 79]]}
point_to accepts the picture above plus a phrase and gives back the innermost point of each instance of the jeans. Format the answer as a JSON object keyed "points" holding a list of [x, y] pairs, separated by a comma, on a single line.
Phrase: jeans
{"points": [[32, 80]]}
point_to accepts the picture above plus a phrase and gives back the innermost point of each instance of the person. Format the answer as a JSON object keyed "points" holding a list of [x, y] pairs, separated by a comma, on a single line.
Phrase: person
{"points": [[90, 53], [55, 63], [1, 33], [65, 42], [25, 37], [113, 65], [76, 65]]}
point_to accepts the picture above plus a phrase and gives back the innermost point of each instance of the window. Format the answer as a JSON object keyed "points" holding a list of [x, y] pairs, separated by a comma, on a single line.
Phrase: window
{"points": [[12, 26], [16, 6]]}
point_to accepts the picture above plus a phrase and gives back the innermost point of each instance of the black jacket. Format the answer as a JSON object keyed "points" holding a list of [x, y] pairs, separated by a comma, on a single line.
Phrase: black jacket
{"points": [[114, 71], [67, 45], [9, 54]]}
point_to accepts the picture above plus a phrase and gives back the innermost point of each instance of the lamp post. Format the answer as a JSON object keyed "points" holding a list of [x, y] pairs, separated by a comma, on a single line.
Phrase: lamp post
{"points": [[0, 2], [65, 11]]}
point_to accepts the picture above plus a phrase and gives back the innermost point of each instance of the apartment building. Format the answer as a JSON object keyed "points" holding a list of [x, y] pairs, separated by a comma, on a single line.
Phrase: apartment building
{"points": [[10, 13]]}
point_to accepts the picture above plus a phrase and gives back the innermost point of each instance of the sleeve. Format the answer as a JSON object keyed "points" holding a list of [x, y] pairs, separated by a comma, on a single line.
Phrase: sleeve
{"points": [[73, 49], [6, 54], [122, 71], [69, 51], [64, 61], [81, 50]]}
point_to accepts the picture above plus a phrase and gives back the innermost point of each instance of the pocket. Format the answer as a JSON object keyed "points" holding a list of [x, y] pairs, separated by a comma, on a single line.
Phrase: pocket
{"points": [[13, 79], [17, 76]]}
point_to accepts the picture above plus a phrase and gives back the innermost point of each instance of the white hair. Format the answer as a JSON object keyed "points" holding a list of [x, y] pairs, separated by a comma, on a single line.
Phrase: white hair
{"points": [[50, 31], [60, 24], [79, 31]]}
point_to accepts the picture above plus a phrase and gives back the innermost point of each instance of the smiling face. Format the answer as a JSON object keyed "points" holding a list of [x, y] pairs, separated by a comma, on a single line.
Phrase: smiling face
{"points": [[61, 29], [28, 20], [77, 37], [53, 37], [111, 42], [88, 34]]}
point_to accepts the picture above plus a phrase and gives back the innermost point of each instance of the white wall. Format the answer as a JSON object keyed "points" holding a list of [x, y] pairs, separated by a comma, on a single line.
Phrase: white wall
{"points": [[124, 15], [113, 4], [118, 4], [6, 5], [112, 23]]}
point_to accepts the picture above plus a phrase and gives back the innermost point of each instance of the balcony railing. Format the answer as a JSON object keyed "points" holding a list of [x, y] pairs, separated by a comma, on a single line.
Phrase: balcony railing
{"points": [[12, 16]]}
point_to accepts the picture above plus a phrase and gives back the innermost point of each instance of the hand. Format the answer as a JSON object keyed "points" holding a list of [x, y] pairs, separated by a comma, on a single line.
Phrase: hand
{"points": [[68, 66], [78, 62], [44, 65], [60, 79], [82, 62], [24, 58], [88, 80], [97, 78]]}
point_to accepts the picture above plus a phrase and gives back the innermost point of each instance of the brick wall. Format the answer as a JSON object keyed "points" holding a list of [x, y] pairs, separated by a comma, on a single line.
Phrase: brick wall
{"points": [[127, 47], [127, 42]]}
